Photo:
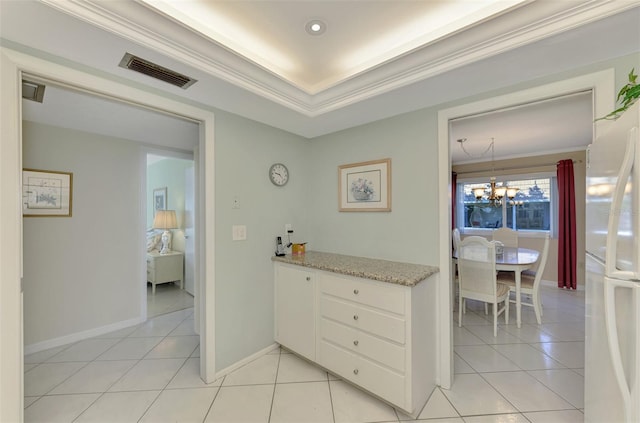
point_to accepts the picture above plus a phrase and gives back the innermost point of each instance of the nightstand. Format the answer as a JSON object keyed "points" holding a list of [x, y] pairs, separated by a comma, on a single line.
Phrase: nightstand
{"points": [[163, 268]]}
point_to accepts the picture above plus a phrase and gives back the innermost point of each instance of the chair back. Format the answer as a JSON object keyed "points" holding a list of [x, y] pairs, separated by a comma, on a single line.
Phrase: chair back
{"points": [[455, 235], [507, 236], [477, 268], [542, 262]]}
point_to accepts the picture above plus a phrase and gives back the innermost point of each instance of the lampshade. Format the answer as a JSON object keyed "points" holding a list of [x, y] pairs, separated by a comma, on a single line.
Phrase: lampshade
{"points": [[165, 219], [511, 192], [501, 191]]}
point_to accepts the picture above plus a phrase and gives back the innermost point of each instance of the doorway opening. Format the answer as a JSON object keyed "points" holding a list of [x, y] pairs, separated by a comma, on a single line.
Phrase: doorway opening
{"points": [[602, 86], [171, 179], [15, 66]]}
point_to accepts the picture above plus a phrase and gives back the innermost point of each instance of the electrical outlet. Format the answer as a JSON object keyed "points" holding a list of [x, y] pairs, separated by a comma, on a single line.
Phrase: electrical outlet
{"points": [[236, 202]]}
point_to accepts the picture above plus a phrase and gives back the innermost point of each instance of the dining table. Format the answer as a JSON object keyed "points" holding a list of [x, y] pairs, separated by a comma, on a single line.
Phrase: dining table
{"points": [[517, 260]]}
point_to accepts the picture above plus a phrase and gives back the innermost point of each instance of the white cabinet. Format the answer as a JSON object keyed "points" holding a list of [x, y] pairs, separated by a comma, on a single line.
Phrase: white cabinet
{"points": [[295, 310], [380, 336], [163, 268]]}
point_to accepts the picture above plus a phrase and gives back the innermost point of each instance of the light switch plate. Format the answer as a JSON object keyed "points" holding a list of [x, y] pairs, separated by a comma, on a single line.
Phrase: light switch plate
{"points": [[239, 232]]}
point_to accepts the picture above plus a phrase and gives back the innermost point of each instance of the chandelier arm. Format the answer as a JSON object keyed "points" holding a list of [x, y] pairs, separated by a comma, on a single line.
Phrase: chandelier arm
{"points": [[462, 141]]}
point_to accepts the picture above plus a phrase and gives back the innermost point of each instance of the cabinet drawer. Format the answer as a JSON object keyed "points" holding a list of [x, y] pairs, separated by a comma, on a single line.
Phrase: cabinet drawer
{"points": [[370, 376], [362, 343], [390, 298], [371, 321]]}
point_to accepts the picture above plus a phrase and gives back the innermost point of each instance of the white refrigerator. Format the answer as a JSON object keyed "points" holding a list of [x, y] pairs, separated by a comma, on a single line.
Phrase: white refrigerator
{"points": [[612, 337]]}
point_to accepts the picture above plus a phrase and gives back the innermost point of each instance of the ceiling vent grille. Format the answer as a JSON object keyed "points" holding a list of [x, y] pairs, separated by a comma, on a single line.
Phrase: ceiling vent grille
{"points": [[148, 68]]}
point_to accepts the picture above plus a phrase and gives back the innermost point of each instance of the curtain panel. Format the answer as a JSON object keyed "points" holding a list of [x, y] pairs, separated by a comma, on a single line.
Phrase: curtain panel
{"points": [[567, 251]]}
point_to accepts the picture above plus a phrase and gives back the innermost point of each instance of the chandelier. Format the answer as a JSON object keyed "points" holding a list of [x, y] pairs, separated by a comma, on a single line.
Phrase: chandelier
{"points": [[492, 193]]}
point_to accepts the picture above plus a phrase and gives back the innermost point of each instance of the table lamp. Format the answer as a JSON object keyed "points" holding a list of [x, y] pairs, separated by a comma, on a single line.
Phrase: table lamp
{"points": [[165, 219]]}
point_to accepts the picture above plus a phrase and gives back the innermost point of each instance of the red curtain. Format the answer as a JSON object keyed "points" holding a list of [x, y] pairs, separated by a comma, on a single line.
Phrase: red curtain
{"points": [[567, 226], [454, 182]]}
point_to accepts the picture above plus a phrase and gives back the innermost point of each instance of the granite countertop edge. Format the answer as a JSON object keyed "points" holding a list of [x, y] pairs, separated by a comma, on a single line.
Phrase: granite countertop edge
{"points": [[394, 272]]}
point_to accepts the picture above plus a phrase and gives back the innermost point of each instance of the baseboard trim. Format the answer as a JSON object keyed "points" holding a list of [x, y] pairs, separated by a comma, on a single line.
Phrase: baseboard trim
{"points": [[80, 336], [246, 360]]}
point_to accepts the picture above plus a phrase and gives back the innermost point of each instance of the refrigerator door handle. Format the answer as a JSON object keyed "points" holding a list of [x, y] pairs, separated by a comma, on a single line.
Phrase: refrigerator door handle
{"points": [[630, 390], [611, 254]]}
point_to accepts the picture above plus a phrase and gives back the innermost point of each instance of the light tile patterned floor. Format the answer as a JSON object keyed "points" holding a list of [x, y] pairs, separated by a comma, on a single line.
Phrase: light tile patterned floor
{"points": [[168, 298], [150, 374]]}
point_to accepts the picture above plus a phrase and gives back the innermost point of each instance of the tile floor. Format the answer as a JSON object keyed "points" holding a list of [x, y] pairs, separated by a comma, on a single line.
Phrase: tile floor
{"points": [[168, 298], [149, 373]]}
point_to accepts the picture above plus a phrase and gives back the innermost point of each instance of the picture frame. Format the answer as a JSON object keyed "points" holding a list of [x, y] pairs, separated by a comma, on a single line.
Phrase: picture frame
{"points": [[159, 199], [46, 193], [365, 186]]}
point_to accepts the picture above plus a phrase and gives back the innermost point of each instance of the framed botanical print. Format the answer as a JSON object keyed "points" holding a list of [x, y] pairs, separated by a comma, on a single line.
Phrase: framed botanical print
{"points": [[159, 199], [365, 186], [46, 193]]}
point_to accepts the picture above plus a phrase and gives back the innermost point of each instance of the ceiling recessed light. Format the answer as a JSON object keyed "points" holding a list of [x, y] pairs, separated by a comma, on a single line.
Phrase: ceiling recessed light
{"points": [[315, 27]]}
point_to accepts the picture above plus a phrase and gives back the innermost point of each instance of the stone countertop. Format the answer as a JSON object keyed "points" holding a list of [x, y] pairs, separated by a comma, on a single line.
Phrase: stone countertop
{"points": [[406, 274]]}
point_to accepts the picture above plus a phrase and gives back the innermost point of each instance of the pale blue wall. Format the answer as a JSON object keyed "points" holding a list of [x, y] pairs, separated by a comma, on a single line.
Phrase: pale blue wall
{"points": [[169, 173], [244, 151], [407, 233], [82, 272]]}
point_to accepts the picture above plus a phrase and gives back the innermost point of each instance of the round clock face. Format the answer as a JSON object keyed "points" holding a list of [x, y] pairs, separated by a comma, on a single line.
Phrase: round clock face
{"points": [[279, 174]]}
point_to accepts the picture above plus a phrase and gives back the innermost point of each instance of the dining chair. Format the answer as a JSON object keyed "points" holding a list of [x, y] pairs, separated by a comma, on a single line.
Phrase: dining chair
{"points": [[507, 236], [455, 235], [530, 281], [456, 242], [478, 280]]}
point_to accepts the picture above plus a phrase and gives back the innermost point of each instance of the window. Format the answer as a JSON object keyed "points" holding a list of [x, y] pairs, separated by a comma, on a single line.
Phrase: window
{"points": [[532, 209]]}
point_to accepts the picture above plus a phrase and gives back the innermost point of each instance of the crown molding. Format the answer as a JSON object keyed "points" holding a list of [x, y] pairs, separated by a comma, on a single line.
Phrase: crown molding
{"points": [[527, 24]]}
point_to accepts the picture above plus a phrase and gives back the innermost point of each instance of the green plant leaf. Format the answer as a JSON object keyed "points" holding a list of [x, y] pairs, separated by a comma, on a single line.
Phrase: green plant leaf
{"points": [[627, 96]]}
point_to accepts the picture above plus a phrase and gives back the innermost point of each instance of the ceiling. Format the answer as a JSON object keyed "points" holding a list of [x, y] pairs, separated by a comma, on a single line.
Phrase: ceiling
{"points": [[481, 46], [356, 36], [553, 125]]}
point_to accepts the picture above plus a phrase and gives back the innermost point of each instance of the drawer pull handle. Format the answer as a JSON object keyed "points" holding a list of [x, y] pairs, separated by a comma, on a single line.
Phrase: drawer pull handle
{"points": [[355, 317], [308, 278], [355, 371], [355, 291], [355, 343]]}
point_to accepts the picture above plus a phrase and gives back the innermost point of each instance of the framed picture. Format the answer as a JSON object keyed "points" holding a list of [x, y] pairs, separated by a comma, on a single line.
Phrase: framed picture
{"points": [[365, 186], [159, 199], [46, 193]]}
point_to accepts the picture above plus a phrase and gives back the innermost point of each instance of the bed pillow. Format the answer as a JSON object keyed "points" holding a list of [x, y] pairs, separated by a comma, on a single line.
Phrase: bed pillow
{"points": [[153, 239]]}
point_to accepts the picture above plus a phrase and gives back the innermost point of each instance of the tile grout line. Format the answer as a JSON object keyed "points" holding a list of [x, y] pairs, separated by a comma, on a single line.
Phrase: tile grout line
{"points": [[214, 400], [333, 413], [275, 383]]}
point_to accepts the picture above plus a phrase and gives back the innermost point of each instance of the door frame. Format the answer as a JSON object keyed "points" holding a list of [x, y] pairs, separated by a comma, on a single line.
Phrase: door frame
{"points": [[602, 84], [13, 65]]}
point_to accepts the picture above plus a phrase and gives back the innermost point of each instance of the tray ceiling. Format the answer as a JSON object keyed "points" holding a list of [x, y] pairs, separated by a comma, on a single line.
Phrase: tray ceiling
{"points": [[525, 41]]}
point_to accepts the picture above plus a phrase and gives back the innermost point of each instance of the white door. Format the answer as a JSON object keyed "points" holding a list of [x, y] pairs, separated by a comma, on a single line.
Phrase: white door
{"points": [[189, 215]]}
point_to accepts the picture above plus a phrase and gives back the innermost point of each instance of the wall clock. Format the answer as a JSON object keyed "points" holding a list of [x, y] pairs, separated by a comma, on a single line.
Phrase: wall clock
{"points": [[279, 174]]}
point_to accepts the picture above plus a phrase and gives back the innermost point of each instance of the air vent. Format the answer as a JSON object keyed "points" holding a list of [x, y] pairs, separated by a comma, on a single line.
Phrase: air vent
{"points": [[148, 68], [32, 91]]}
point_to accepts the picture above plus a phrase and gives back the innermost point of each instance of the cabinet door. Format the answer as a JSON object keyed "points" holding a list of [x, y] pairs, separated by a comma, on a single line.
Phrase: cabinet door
{"points": [[295, 310]]}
